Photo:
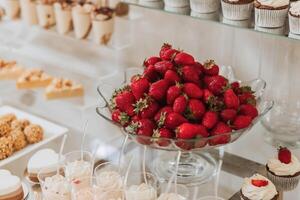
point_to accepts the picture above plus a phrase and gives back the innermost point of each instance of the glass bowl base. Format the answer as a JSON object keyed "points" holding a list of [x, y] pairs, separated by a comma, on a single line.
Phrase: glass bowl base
{"points": [[193, 169], [277, 140]]}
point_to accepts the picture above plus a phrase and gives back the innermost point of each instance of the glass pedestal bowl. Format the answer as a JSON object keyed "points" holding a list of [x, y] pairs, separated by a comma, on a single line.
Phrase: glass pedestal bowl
{"points": [[195, 165]]}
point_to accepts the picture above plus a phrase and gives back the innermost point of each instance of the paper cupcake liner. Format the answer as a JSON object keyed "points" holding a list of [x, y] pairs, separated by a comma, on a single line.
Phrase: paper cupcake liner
{"points": [[63, 20], [284, 183], [237, 11], [210, 16], [29, 14], [183, 11], [152, 4], [275, 31], [177, 3], [102, 30], [294, 23], [12, 8], [270, 18], [46, 16], [205, 6]]}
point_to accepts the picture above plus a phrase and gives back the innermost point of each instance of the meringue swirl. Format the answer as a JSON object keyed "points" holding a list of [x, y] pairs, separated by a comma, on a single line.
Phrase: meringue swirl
{"points": [[282, 169]]}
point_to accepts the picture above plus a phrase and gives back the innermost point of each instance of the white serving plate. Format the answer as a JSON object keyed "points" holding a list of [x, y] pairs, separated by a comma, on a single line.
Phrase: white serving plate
{"points": [[51, 132]]}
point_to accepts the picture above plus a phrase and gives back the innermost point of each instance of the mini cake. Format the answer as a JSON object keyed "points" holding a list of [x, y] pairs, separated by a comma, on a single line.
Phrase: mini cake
{"points": [[271, 13], [56, 187], [6, 147], [171, 196], [45, 13], [103, 24], [63, 88], [63, 15], [205, 6], [38, 162], [8, 118], [258, 187], [10, 186], [4, 128], [237, 9], [34, 133], [19, 124], [284, 170], [294, 18], [29, 13], [33, 78], [12, 8], [141, 192], [82, 22], [19, 139], [9, 70]]}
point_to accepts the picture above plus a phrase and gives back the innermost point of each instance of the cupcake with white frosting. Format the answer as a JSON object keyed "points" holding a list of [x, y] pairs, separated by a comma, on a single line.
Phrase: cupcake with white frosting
{"points": [[284, 170], [29, 13], [271, 13], [205, 6], [45, 13], [237, 9], [258, 187], [294, 18], [63, 16], [12, 8]]}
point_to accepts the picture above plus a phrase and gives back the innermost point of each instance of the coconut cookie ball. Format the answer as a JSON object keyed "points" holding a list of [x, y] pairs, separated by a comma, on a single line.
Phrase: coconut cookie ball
{"points": [[6, 147], [4, 128], [34, 133], [20, 124], [8, 118], [19, 139]]}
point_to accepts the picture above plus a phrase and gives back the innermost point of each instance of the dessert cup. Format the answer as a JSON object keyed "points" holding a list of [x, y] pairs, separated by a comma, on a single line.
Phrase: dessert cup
{"points": [[82, 21], [173, 191], [152, 4], [182, 10], [237, 10], [177, 3], [294, 18], [209, 16], [12, 8], [275, 31], [205, 6], [63, 17], [45, 13], [103, 25], [29, 13]]}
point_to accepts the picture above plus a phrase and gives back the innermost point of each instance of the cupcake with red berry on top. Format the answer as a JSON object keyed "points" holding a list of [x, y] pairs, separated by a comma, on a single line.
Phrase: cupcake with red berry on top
{"points": [[284, 170]]}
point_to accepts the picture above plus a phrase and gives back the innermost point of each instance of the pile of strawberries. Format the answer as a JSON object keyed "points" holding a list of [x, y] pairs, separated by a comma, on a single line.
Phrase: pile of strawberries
{"points": [[178, 97]]}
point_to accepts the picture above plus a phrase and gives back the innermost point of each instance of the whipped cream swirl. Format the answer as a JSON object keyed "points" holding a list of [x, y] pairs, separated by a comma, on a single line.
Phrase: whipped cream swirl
{"points": [[274, 3], [258, 193], [295, 8], [282, 169]]}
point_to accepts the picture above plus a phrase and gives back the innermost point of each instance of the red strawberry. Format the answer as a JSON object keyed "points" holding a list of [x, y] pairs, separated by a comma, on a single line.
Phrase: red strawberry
{"points": [[235, 86], [163, 66], [259, 183], [249, 110], [242, 121], [186, 131], [185, 145], [151, 74], [199, 68], [183, 58], [146, 108], [159, 89], [120, 117], [207, 80], [228, 115], [192, 90], [151, 61], [173, 120], [210, 119], [284, 155], [135, 118], [124, 101], [169, 54], [180, 104], [172, 77], [190, 74], [207, 95], [163, 135], [166, 110], [195, 110], [247, 98], [217, 84], [139, 86], [145, 128], [219, 133], [164, 48], [172, 93], [231, 100], [201, 131], [210, 68]]}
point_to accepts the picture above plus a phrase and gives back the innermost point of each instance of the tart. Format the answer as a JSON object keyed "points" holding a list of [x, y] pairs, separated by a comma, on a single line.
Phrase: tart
{"points": [[63, 88], [34, 133], [10, 186], [9, 70], [34, 78], [284, 170]]}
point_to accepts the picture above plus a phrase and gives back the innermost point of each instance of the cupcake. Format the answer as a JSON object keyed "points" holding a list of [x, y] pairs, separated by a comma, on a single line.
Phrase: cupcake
{"points": [[294, 18], [12, 8], [271, 13], [45, 13], [284, 170], [205, 6], [29, 13], [82, 22], [177, 3], [237, 9], [63, 16], [152, 4], [103, 24], [258, 187]]}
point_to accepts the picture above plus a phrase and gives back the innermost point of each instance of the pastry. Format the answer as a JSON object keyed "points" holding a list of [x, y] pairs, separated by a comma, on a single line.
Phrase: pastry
{"points": [[82, 22], [63, 88], [4, 128], [45, 13], [19, 124], [29, 13], [171, 196], [63, 16], [271, 13], [37, 162], [237, 9], [103, 24], [12, 8], [6, 147], [294, 18], [8, 118], [205, 6], [10, 186], [33, 78], [56, 188], [9, 70], [34, 133], [141, 192], [258, 187], [19, 139], [284, 170]]}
